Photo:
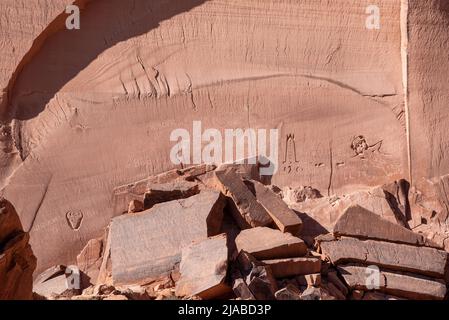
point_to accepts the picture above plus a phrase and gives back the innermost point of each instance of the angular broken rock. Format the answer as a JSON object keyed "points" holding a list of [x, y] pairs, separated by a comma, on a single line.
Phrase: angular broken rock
{"points": [[334, 291], [17, 261], [311, 293], [244, 207], [335, 280], [290, 292], [266, 243], [258, 277], [421, 260], [135, 206], [241, 289], [51, 272], [52, 287], [123, 195], [90, 258], [284, 218], [261, 283], [148, 244], [309, 280], [358, 222], [158, 193], [203, 269], [404, 285], [290, 267]]}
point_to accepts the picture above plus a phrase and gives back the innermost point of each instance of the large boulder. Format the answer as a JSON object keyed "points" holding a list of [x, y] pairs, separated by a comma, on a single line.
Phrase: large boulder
{"points": [[148, 244]]}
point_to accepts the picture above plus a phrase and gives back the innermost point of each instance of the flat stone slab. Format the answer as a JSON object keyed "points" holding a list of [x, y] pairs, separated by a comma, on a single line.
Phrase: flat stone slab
{"points": [[284, 217], [266, 243], [359, 222], [148, 244], [203, 269], [404, 285], [290, 267], [401, 257], [244, 207], [163, 192]]}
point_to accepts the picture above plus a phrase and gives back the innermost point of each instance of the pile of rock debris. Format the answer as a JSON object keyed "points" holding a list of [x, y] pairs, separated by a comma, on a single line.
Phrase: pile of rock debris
{"points": [[226, 233]]}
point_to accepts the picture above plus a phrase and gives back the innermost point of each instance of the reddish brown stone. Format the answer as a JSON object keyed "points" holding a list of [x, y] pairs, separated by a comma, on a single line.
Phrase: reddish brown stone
{"points": [[404, 285], [158, 193], [290, 267], [361, 223], [148, 244], [401, 257], [203, 269], [243, 204], [284, 218], [17, 262], [266, 243]]}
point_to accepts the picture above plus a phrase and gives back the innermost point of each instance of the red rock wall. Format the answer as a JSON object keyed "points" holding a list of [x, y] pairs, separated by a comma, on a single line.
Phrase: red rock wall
{"points": [[428, 23], [92, 109]]}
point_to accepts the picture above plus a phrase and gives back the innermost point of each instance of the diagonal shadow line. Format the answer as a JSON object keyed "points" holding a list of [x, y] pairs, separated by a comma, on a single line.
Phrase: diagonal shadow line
{"points": [[58, 54]]}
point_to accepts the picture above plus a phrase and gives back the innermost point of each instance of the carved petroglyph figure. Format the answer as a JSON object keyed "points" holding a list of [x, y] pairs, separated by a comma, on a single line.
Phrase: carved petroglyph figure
{"points": [[74, 219]]}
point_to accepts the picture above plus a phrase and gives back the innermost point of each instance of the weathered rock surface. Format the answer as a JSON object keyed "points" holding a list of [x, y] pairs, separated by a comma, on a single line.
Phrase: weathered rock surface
{"points": [[309, 279], [158, 193], [266, 243], [404, 285], [258, 277], [358, 222], [203, 269], [247, 211], [284, 218], [290, 267], [331, 138], [421, 260], [90, 259], [17, 262], [143, 244]]}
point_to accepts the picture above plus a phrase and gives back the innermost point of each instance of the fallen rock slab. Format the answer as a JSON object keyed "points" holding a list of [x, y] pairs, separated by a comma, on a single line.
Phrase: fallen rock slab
{"points": [[158, 193], [404, 285], [265, 243], [284, 218], [52, 287], [290, 267], [258, 277], [359, 222], [148, 244], [401, 257], [124, 194], [203, 269], [90, 258], [244, 207], [51, 272]]}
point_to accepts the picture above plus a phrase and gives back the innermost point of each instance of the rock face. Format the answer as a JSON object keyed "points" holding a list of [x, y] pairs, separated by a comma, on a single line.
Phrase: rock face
{"points": [[89, 124], [142, 245], [347, 78], [17, 262]]}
